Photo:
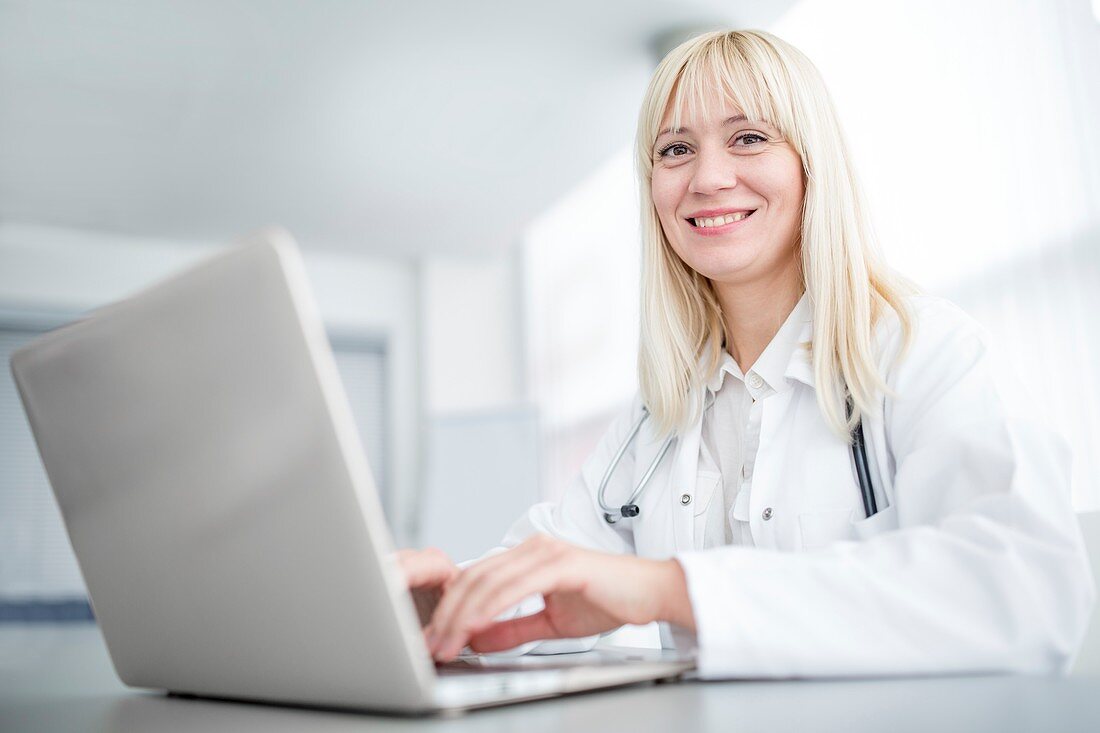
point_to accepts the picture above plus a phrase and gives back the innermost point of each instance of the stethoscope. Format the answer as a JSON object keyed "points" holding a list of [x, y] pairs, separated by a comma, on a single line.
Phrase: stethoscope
{"points": [[630, 508]]}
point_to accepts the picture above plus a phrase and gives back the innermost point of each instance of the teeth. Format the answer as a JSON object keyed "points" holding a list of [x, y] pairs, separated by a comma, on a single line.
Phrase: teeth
{"points": [[720, 220]]}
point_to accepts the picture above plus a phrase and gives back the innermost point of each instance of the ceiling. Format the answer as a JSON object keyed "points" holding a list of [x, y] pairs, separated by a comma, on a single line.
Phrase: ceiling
{"points": [[398, 128]]}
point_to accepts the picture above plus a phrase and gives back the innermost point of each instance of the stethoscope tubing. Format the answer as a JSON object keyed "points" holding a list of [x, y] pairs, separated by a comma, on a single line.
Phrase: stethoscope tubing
{"points": [[630, 508], [863, 470]]}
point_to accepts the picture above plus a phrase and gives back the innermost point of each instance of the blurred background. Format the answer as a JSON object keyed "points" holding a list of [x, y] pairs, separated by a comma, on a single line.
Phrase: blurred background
{"points": [[459, 177]]}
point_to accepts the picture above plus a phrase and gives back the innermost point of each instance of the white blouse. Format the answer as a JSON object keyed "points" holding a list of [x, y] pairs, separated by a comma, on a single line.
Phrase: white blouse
{"points": [[731, 433]]}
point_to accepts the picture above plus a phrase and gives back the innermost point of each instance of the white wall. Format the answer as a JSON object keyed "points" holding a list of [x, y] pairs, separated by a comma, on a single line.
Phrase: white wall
{"points": [[480, 435], [470, 310], [581, 278], [65, 271]]}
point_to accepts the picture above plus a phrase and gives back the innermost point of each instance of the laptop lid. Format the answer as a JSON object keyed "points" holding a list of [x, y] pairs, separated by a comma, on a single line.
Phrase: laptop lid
{"points": [[207, 466]]}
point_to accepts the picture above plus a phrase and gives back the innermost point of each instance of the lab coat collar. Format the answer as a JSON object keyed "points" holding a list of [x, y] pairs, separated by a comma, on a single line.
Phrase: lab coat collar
{"points": [[801, 366], [783, 359]]}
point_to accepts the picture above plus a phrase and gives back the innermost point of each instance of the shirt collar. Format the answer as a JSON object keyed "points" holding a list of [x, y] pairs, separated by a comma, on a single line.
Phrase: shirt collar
{"points": [[783, 358]]}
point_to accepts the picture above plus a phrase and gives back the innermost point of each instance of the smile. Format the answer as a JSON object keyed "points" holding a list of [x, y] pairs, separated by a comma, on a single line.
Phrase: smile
{"points": [[719, 223]]}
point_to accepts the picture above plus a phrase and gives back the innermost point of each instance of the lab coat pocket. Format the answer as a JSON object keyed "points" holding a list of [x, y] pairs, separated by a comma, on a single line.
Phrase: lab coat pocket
{"points": [[705, 484], [821, 528], [882, 521]]}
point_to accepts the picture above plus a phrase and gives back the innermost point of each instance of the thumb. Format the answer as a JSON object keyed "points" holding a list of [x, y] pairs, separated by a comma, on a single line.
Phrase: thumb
{"points": [[513, 632]]}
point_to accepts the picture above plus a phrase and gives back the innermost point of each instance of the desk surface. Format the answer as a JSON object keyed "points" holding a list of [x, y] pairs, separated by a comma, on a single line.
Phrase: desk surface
{"points": [[57, 678]]}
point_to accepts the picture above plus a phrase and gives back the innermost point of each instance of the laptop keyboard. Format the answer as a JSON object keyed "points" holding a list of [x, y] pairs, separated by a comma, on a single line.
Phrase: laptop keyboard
{"points": [[475, 665]]}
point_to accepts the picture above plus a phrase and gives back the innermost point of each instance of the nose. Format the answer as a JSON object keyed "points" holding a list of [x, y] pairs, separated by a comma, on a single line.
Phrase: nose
{"points": [[713, 172]]}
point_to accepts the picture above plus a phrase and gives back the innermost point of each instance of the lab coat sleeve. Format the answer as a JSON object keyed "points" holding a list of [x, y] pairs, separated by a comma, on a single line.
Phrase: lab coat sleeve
{"points": [[985, 570], [576, 518]]}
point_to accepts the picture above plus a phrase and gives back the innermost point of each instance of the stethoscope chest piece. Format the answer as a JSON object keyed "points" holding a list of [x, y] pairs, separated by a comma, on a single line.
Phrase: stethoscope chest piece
{"points": [[626, 511]]}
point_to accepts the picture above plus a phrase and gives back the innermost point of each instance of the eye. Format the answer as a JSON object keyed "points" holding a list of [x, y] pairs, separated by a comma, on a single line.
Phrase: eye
{"points": [[674, 150], [752, 140]]}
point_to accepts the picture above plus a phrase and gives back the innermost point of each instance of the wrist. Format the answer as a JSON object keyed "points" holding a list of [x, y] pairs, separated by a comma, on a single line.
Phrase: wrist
{"points": [[674, 602]]}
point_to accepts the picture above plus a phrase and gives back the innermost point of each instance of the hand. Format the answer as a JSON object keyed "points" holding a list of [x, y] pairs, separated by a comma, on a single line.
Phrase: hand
{"points": [[426, 572], [585, 592]]}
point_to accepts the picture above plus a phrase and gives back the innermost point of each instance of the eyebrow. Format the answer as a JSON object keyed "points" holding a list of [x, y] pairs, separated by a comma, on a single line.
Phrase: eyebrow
{"points": [[730, 121]]}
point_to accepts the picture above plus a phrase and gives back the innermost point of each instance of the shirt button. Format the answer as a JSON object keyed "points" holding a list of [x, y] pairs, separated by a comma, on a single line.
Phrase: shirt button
{"points": [[685, 499], [767, 513], [755, 381]]}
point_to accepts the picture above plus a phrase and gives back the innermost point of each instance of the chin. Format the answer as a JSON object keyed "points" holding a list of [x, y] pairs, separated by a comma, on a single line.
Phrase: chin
{"points": [[720, 266]]}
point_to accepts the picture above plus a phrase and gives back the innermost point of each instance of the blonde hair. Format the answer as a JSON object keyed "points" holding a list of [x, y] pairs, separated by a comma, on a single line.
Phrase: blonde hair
{"points": [[847, 281]]}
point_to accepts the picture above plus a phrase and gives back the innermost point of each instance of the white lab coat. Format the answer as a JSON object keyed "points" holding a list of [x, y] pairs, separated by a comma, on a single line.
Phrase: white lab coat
{"points": [[974, 562]]}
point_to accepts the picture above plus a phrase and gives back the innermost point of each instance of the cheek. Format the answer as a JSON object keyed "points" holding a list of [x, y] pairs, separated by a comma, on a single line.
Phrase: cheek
{"points": [[788, 186], [796, 191], [666, 197]]}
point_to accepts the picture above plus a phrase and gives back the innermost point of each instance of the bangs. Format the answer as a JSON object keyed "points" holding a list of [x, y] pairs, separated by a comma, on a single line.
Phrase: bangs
{"points": [[717, 73]]}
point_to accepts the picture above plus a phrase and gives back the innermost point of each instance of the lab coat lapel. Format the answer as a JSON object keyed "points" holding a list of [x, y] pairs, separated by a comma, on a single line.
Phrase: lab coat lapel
{"points": [[685, 466]]}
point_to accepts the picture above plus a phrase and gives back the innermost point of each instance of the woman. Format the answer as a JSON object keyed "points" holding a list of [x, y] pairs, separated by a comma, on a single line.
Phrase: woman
{"points": [[767, 311]]}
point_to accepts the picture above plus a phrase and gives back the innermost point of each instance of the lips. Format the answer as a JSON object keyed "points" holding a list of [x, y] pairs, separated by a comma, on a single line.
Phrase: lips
{"points": [[718, 221]]}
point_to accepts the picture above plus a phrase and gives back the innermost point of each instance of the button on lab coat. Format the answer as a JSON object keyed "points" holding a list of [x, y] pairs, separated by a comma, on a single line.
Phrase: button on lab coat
{"points": [[974, 561]]}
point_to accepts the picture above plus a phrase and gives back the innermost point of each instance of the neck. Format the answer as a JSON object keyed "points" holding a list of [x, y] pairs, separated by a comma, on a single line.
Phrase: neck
{"points": [[754, 312]]}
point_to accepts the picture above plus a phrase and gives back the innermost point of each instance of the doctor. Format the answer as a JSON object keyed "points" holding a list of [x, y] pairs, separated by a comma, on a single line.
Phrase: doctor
{"points": [[766, 306]]}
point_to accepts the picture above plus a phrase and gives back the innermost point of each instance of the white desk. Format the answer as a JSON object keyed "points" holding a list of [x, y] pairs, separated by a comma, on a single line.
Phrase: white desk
{"points": [[57, 678]]}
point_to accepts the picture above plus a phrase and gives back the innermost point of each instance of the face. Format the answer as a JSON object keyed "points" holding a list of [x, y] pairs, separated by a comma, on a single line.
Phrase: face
{"points": [[729, 195]]}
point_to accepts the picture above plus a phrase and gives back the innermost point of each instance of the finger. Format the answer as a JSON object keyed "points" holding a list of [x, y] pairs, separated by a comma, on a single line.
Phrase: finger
{"points": [[471, 577], [427, 567], [466, 608], [513, 632], [462, 600], [478, 615]]}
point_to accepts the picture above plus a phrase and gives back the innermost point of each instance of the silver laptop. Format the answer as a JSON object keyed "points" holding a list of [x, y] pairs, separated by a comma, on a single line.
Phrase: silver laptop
{"points": [[206, 463]]}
